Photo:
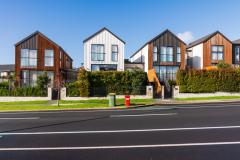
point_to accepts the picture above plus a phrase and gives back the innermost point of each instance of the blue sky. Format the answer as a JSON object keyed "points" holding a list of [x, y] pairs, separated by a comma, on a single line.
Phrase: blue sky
{"points": [[69, 22]]}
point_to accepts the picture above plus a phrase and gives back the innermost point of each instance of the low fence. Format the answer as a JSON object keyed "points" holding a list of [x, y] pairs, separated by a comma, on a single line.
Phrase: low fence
{"points": [[147, 93], [177, 94], [15, 99]]}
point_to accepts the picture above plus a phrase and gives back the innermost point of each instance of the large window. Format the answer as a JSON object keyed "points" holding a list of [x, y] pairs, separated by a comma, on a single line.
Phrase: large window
{"points": [[114, 53], [49, 58], [29, 78], [166, 54], [166, 72], [155, 54], [28, 58], [237, 54], [178, 54], [97, 52], [104, 67], [217, 53]]}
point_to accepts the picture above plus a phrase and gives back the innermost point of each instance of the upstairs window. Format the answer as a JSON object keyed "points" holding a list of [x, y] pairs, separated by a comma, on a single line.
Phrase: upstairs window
{"points": [[217, 53], [155, 54], [97, 52], [28, 58], [114, 53], [166, 54], [178, 54], [237, 54], [49, 58]]}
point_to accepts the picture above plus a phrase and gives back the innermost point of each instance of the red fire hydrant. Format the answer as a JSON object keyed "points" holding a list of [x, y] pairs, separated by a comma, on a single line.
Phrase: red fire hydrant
{"points": [[127, 101]]}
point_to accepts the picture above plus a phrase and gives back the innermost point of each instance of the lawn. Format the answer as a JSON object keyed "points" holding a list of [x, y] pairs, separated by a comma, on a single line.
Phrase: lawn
{"points": [[65, 105], [208, 98]]}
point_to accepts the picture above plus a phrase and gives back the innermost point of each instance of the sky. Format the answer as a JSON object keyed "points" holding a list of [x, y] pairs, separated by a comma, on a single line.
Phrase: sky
{"points": [[69, 22]]}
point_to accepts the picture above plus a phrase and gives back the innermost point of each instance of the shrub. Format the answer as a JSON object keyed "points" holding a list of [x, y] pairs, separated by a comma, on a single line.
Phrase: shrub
{"points": [[203, 81]]}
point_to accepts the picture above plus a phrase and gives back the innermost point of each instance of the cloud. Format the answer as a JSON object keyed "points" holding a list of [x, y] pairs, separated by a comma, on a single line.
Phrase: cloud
{"points": [[186, 36]]}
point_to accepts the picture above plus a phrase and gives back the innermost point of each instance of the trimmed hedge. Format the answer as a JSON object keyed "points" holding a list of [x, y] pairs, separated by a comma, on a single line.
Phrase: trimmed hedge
{"points": [[209, 81], [100, 83]]}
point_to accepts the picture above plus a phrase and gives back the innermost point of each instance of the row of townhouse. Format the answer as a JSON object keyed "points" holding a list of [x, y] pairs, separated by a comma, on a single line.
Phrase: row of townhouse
{"points": [[104, 51]]}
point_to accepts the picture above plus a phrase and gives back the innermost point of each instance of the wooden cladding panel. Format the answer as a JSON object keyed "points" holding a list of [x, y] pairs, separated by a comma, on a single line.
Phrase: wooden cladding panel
{"points": [[183, 50], [150, 56], [218, 39]]}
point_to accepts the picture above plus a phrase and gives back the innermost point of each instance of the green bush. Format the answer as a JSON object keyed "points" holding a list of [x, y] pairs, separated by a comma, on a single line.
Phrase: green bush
{"points": [[203, 81], [100, 83]]}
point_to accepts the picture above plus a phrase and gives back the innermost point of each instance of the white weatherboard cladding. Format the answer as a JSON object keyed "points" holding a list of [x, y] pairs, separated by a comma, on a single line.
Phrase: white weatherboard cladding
{"points": [[141, 56], [107, 39], [197, 55]]}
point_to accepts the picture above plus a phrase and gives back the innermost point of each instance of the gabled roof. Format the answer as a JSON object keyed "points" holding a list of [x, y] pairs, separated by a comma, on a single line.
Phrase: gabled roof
{"points": [[41, 34], [101, 30], [205, 38], [162, 33], [236, 42], [7, 67]]}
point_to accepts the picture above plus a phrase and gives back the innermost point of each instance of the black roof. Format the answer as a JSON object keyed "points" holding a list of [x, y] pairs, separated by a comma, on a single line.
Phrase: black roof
{"points": [[236, 42], [103, 29], [205, 38], [167, 30], [38, 32], [7, 67]]}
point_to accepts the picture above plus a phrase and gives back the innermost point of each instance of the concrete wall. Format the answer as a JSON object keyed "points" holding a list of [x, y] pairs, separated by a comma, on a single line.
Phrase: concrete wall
{"points": [[16, 99], [176, 94]]}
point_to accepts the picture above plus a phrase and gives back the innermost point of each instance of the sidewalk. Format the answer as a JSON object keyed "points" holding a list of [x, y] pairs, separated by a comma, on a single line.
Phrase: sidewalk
{"points": [[172, 101]]}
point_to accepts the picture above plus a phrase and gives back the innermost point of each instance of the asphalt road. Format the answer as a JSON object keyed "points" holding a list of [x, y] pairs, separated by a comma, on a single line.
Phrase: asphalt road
{"points": [[172, 132]]}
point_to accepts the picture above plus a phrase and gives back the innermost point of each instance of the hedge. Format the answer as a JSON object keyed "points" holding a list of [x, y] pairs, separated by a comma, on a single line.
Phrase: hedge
{"points": [[209, 81], [100, 83]]}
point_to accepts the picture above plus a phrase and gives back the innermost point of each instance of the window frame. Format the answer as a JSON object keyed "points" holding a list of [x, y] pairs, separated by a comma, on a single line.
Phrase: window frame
{"points": [[179, 55], [28, 58], [237, 50], [217, 52], [49, 57], [166, 55], [113, 53], [97, 54], [155, 54]]}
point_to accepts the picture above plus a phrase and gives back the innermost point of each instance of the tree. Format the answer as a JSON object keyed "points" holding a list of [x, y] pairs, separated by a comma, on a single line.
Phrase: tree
{"points": [[83, 82], [42, 83]]}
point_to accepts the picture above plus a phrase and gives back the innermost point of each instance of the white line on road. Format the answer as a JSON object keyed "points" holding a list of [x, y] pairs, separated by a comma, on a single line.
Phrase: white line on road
{"points": [[143, 115], [18, 118], [122, 147], [120, 131]]}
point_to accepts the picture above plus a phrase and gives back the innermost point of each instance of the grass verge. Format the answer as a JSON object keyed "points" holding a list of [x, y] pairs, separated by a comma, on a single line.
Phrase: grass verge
{"points": [[66, 105], [208, 98]]}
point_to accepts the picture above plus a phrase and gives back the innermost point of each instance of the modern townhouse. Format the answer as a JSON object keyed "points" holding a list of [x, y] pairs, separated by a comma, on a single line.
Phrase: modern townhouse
{"points": [[36, 54], [165, 53], [236, 52], [6, 71], [104, 51], [209, 51]]}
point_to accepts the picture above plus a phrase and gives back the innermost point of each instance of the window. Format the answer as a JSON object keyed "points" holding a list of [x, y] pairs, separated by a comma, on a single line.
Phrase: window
{"points": [[237, 54], [29, 78], [155, 54], [217, 53], [103, 67], [178, 54], [166, 54], [114, 53], [28, 58], [166, 72], [49, 58], [97, 52]]}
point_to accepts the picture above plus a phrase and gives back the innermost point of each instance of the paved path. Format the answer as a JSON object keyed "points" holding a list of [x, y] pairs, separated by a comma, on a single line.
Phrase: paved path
{"points": [[206, 131]]}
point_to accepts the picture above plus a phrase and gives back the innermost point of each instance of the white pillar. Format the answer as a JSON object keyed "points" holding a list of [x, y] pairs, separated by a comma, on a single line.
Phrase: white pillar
{"points": [[49, 93], [63, 93]]}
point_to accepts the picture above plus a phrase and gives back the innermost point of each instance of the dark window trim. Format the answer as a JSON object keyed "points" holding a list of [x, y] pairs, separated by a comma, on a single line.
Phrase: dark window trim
{"points": [[178, 54], [48, 57], [216, 52], [103, 65], [167, 54], [28, 58], [235, 51], [98, 53], [155, 53]]}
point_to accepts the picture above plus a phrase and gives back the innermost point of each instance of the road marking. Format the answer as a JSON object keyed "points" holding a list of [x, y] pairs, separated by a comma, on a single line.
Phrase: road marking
{"points": [[143, 115], [16, 118], [120, 131], [122, 147]]}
